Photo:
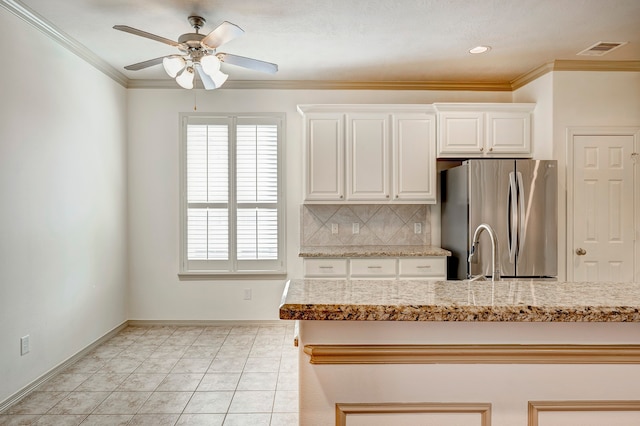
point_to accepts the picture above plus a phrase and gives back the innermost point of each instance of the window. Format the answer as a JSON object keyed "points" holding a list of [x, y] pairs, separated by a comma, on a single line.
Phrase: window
{"points": [[232, 204]]}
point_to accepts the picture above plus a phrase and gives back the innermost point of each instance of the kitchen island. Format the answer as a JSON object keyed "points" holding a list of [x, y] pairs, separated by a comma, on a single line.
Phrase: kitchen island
{"points": [[386, 352]]}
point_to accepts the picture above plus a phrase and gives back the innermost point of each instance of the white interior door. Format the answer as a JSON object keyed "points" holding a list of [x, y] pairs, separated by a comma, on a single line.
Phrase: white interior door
{"points": [[603, 208]]}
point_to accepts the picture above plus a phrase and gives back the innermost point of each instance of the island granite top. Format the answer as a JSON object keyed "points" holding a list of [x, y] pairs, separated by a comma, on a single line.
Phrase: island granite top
{"points": [[372, 251], [413, 300]]}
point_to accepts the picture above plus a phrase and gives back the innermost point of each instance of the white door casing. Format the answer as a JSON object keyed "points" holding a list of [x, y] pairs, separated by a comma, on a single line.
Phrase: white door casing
{"points": [[602, 205]]}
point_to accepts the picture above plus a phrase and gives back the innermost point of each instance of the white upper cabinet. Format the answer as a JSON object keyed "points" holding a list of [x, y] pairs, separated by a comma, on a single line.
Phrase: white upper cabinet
{"points": [[369, 154], [478, 130]]}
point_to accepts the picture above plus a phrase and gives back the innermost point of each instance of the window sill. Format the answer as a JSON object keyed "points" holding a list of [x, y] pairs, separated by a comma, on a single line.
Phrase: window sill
{"points": [[208, 275]]}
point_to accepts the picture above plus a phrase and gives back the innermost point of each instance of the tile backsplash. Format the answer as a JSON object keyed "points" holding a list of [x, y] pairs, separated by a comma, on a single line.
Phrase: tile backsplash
{"points": [[379, 224]]}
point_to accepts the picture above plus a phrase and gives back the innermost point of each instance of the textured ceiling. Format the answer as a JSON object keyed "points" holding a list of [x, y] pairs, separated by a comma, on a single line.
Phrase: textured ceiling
{"points": [[358, 40]]}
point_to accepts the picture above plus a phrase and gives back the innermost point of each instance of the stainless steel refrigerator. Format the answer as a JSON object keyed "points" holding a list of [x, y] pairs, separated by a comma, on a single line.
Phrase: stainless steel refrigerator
{"points": [[518, 199]]}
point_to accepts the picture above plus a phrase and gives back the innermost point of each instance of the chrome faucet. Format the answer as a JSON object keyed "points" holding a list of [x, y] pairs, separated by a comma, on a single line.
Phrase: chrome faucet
{"points": [[495, 275]]}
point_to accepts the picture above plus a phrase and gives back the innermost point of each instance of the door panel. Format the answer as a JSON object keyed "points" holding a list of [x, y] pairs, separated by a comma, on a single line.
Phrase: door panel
{"points": [[603, 228]]}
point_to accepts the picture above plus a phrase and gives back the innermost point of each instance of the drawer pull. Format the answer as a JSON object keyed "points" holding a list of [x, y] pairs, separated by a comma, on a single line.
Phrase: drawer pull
{"points": [[325, 267], [423, 267], [374, 267]]}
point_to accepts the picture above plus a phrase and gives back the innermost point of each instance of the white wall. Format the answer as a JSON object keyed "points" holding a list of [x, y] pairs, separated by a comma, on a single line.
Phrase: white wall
{"points": [[155, 291], [540, 92], [63, 242]]}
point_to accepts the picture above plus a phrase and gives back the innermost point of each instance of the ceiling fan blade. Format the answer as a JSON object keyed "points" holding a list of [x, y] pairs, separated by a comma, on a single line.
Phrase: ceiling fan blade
{"points": [[145, 34], [250, 63], [145, 64], [207, 81], [224, 33]]}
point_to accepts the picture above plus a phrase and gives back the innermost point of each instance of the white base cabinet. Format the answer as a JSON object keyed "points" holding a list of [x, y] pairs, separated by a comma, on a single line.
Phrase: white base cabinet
{"points": [[478, 130], [419, 268], [369, 154]]}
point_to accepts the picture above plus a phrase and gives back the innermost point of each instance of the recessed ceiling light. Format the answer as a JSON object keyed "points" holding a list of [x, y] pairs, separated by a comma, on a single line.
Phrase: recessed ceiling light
{"points": [[480, 49]]}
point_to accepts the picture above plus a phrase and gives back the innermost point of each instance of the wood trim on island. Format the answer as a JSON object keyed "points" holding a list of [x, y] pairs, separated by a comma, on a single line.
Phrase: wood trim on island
{"points": [[343, 410], [535, 407], [473, 354]]}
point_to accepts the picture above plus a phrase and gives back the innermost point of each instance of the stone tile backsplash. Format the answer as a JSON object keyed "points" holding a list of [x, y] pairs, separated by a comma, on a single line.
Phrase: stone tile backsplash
{"points": [[379, 224]]}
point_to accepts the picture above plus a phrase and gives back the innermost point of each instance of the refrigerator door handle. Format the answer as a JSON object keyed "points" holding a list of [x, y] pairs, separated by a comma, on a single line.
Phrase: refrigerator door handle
{"points": [[512, 212], [521, 215]]}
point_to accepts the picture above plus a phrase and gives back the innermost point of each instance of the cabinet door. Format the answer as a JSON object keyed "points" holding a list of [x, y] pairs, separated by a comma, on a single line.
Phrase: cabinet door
{"points": [[461, 133], [414, 158], [324, 157], [368, 157], [509, 133]]}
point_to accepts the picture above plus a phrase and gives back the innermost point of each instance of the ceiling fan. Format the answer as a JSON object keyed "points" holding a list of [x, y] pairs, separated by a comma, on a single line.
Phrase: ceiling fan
{"points": [[199, 55]]}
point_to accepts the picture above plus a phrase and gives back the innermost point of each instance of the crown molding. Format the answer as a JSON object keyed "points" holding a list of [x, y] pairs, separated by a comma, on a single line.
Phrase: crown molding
{"points": [[40, 23], [573, 65]]}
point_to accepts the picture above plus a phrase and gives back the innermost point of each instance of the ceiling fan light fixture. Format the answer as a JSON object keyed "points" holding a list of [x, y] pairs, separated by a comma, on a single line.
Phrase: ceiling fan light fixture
{"points": [[173, 65], [185, 79], [219, 78], [210, 64]]}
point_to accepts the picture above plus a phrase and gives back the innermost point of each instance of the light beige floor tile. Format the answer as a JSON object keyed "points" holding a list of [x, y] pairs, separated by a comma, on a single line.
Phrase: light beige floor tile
{"points": [[245, 329], [279, 330], [181, 339], [192, 365], [217, 329], [122, 340], [64, 382], [18, 419], [141, 382], [59, 420], [287, 381], [139, 351], [209, 340], [152, 339], [254, 419], [252, 402], [200, 420], [121, 365], [265, 351], [107, 420], [239, 340], [180, 382], [209, 402], [102, 382], [86, 365], [289, 364], [156, 365], [284, 419], [208, 351], [122, 403], [169, 351], [154, 420], [286, 402], [79, 403], [233, 352], [229, 365], [105, 352], [262, 365], [166, 402], [37, 402], [258, 381], [219, 382]]}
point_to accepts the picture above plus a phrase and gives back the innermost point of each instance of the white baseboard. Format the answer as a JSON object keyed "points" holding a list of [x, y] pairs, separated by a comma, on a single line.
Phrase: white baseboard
{"points": [[205, 323]]}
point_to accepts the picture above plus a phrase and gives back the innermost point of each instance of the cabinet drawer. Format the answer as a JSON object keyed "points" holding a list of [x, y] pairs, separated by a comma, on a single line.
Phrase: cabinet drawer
{"points": [[423, 267], [325, 267], [373, 267]]}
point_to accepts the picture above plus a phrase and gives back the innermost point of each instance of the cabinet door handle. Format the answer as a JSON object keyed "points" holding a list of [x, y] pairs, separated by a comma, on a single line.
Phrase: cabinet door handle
{"points": [[374, 267], [491, 149], [423, 267], [326, 267], [342, 196], [481, 149]]}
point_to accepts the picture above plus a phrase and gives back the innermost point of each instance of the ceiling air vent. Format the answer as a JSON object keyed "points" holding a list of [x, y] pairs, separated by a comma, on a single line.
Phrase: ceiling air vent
{"points": [[602, 48]]}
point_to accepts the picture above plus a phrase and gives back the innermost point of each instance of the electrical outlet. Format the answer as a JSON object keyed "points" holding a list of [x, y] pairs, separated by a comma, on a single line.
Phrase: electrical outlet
{"points": [[334, 228], [417, 228], [355, 228], [24, 345], [247, 294]]}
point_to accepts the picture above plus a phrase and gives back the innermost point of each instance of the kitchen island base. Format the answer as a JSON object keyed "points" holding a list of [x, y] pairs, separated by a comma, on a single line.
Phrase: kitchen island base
{"points": [[469, 373]]}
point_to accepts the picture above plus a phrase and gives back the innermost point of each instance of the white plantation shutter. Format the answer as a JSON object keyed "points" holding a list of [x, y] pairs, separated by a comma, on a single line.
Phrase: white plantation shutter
{"points": [[233, 207]]}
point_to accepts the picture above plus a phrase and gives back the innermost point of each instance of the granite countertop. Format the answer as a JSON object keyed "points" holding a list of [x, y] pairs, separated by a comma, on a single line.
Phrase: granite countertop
{"points": [[372, 251], [408, 300]]}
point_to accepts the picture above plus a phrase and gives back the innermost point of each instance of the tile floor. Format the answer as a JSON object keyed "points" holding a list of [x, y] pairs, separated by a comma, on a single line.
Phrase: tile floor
{"points": [[174, 375]]}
